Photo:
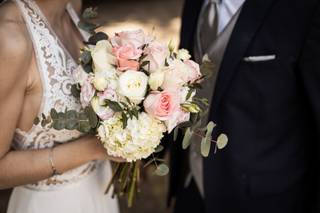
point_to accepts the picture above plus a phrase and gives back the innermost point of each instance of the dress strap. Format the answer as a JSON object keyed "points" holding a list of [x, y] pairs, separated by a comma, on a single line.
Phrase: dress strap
{"points": [[75, 18]]}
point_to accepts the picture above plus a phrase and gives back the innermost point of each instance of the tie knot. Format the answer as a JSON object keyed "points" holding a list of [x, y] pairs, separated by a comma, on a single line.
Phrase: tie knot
{"points": [[214, 1]]}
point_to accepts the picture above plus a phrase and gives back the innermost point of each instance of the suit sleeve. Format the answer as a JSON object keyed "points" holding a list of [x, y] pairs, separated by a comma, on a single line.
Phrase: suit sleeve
{"points": [[310, 74]]}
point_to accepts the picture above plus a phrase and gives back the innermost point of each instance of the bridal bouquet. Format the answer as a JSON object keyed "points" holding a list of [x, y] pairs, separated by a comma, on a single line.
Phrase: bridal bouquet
{"points": [[134, 89]]}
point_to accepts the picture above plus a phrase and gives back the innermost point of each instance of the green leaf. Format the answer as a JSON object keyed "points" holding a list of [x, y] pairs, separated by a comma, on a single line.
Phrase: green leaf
{"points": [[190, 107], [124, 119], [87, 68], [145, 63], [175, 133], [86, 26], [206, 141], [187, 139], [54, 114], [191, 90], [72, 114], [159, 148], [93, 119], [99, 36], [58, 124], [222, 141], [84, 126], [90, 13], [36, 121], [115, 106], [75, 91], [162, 170], [85, 57], [71, 124]]}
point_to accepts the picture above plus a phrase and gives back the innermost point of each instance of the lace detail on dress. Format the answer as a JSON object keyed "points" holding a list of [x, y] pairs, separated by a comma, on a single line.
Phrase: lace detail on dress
{"points": [[55, 66]]}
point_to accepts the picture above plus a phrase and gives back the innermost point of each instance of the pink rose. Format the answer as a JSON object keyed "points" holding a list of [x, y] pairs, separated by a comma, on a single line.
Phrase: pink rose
{"points": [[161, 105], [194, 70], [127, 65], [156, 53], [126, 56], [87, 93], [127, 51], [135, 37]]}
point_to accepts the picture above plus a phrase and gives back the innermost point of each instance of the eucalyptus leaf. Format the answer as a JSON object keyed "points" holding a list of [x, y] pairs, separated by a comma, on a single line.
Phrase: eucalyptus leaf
{"points": [[90, 13], [99, 36], [162, 170], [86, 26], [222, 141], [58, 124], [87, 68], [206, 141], [187, 138], [71, 124], [72, 114], [159, 148], [93, 119], [84, 126], [36, 121], [85, 57], [54, 114]]}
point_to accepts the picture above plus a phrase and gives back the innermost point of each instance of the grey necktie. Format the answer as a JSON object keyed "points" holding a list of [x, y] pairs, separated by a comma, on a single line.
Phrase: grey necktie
{"points": [[208, 26]]}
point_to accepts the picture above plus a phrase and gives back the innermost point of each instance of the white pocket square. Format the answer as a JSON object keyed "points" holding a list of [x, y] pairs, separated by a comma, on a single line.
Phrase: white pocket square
{"points": [[260, 58]]}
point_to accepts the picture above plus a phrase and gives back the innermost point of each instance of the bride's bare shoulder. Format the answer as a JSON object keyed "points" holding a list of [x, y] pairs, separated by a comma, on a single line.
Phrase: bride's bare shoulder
{"points": [[14, 39]]}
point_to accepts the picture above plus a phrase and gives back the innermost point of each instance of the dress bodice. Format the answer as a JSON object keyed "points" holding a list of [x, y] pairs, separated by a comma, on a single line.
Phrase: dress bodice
{"points": [[55, 65]]}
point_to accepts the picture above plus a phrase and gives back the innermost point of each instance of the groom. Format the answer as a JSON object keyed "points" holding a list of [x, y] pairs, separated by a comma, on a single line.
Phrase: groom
{"points": [[265, 95]]}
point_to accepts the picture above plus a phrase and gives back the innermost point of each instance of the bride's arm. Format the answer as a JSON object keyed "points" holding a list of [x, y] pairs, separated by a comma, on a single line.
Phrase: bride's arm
{"points": [[23, 167]]}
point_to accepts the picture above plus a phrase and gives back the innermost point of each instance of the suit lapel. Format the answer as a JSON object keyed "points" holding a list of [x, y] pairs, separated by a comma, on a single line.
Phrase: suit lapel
{"points": [[250, 19]]}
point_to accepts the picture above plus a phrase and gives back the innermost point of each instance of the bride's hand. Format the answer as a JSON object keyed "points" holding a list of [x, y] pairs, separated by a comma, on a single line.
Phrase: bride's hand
{"points": [[101, 152]]}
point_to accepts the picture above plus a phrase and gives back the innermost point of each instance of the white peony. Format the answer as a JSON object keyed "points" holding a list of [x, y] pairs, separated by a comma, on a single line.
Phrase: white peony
{"points": [[133, 85], [137, 141], [102, 56], [156, 79]]}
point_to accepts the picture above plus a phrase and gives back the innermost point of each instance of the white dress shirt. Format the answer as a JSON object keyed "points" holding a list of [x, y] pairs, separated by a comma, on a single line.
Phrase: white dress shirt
{"points": [[226, 10]]}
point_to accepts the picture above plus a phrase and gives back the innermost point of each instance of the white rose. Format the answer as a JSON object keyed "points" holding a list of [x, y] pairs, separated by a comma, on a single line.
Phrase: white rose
{"points": [[156, 79], [102, 56], [183, 54], [133, 85]]}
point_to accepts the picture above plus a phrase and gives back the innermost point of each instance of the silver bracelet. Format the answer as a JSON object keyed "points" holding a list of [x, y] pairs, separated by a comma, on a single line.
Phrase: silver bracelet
{"points": [[53, 168]]}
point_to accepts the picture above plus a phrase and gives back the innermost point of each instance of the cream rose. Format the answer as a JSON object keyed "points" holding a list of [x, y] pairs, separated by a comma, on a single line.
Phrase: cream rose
{"points": [[133, 85], [103, 79], [102, 56]]}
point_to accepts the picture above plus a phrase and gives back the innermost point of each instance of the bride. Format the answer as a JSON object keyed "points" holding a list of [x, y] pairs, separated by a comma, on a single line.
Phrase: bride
{"points": [[52, 171]]}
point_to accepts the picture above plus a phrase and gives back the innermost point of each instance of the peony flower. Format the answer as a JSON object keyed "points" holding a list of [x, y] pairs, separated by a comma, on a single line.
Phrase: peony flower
{"points": [[102, 56], [79, 75], [156, 79], [183, 55], [133, 85], [87, 93], [156, 53], [162, 105], [137, 38]]}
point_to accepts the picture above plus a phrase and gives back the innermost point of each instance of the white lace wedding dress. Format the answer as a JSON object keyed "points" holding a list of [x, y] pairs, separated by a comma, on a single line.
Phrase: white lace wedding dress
{"points": [[82, 189]]}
